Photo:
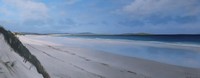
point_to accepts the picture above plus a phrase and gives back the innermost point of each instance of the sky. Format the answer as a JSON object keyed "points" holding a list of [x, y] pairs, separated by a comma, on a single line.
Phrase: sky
{"points": [[101, 16]]}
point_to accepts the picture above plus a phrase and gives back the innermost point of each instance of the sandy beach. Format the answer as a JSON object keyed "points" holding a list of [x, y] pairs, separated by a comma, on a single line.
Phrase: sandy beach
{"points": [[67, 61], [99, 38]]}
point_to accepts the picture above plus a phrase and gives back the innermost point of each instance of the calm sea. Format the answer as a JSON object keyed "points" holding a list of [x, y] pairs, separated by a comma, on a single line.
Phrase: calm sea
{"points": [[193, 39]]}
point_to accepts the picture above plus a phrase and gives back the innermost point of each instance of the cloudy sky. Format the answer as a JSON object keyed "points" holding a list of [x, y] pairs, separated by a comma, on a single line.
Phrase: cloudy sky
{"points": [[101, 16]]}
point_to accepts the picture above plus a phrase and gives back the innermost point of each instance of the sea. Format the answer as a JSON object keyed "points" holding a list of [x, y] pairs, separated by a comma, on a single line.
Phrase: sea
{"points": [[190, 39]]}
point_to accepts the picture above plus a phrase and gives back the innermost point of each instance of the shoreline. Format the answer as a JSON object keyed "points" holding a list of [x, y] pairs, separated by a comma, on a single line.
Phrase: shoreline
{"points": [[95, 64]]}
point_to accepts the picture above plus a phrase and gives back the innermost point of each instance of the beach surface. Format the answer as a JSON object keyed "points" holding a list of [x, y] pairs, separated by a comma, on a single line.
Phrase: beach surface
{"points": [[63, 59]]}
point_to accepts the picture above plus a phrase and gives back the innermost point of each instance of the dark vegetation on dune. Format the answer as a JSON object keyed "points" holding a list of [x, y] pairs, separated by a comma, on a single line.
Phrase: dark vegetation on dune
{"points": [[20, 49]]}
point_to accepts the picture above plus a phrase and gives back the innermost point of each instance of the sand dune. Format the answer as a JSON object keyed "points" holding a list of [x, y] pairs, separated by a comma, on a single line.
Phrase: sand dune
{"points": [[12, 65]]}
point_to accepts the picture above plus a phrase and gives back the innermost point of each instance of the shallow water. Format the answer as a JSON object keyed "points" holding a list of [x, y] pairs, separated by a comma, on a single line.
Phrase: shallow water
{"points": [[174, 56]]}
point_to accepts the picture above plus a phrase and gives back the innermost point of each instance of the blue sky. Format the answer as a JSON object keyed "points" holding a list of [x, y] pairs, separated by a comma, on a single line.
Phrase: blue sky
{"points": [[101, 16]]}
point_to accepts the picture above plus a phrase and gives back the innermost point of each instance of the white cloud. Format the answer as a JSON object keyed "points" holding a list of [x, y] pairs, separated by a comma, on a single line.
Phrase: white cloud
{"points": [[163, 7], [28, 9]]}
